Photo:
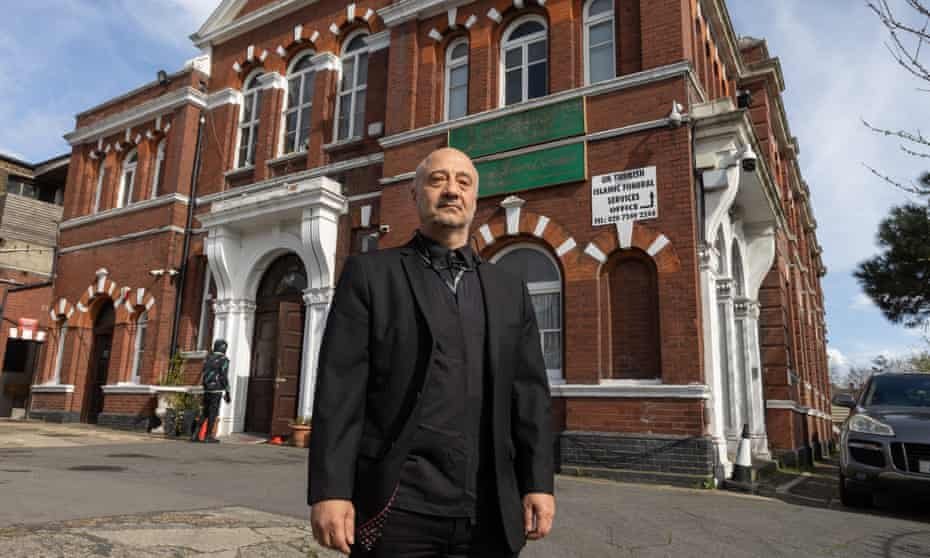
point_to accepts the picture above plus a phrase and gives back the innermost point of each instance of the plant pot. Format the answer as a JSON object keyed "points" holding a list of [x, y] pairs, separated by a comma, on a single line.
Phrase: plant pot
{"points": [[187, 427], [171, 424], [300, 435]]}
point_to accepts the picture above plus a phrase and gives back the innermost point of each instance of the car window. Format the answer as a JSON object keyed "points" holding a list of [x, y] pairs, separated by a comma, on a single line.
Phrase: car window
{"points": [[898, 391]]}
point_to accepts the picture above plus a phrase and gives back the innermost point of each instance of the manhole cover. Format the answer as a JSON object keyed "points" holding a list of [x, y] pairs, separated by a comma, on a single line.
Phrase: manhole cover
{"points": [[131, 456], [110, 468], [16, 470]]}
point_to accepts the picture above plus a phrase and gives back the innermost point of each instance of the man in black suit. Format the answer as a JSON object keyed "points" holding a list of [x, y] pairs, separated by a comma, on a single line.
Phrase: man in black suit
{"points": [[431, 424]]}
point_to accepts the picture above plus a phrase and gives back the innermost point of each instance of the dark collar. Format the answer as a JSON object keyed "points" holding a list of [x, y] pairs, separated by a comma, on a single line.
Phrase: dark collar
{"points": [[432, 251]]}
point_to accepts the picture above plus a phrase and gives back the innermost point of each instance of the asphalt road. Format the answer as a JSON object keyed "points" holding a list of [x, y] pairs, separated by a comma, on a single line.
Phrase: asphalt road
{"points": [[93, 478]]}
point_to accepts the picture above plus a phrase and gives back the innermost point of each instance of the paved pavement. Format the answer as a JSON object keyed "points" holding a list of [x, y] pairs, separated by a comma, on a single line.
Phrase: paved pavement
{"points": [[77, 491]]}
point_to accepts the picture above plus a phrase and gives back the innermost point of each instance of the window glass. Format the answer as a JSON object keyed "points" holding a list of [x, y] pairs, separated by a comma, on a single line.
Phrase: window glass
{"points": [[525, 63], [599, 28], [525, 29], [350, 118]]}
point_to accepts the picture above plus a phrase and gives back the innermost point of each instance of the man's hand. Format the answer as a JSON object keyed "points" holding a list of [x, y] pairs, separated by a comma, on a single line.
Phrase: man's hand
{"points": [[333, 523], [538, 512], [227, 398]]}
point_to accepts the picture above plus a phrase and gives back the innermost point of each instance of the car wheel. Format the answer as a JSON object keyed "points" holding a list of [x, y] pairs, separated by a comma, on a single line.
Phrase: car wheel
{"points": [[853, 498]]}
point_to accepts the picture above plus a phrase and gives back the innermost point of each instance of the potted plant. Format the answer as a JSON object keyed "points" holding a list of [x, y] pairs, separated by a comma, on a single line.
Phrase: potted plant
{"points": [[300, 431], [175, 401]]}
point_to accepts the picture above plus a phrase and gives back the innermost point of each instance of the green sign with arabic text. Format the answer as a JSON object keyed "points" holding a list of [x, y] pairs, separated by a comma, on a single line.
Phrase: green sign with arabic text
{"points": [[537, 169], [530, 127]]}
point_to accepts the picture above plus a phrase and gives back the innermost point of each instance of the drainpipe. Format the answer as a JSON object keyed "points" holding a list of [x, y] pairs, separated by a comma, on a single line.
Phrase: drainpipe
{"points": [[182, 275]]}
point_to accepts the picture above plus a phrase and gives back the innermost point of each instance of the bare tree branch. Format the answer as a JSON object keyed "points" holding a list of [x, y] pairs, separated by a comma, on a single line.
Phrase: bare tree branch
{"points": [[909, 188]]}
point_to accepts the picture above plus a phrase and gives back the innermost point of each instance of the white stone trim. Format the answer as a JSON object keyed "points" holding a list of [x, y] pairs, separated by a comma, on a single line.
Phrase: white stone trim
{"points": [[166, 199], [625, 234], [406, 10], [486, 234], [397, 178], [435, 35], [512, 206], [541, 225], [494, 15], [128, 389], [332, 168], [471, 21], [300, 154], [137, 115], [366, 216], [658, 245], [623, 82], [632, 129], [632, 390], [272, 80], [592, 250], [566, 247], [378, 41], [212, 33], [52, 388], [121, 238], [360, 197]]}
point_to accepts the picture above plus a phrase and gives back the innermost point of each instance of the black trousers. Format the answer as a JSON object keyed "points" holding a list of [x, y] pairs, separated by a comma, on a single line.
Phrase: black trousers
{"points": [[413, 535], [211, 410]]}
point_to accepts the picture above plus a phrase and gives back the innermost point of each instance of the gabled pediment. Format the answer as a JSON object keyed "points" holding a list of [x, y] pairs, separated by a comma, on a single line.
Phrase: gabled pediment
{"points": [[224, 14]]}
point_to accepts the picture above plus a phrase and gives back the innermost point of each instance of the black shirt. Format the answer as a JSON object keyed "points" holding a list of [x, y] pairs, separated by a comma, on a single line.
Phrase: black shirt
{"points": [[440, 476]]}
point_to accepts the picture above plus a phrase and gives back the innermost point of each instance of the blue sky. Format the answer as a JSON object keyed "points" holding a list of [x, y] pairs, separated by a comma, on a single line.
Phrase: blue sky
{"points": [[60, 57]]}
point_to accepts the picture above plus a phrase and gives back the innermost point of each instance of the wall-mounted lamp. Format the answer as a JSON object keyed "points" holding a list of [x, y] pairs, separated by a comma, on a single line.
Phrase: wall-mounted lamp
{"points": [[163, 78]]}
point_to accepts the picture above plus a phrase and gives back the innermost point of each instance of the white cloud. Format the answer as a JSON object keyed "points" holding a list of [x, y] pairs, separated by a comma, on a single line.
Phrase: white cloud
{"points": [[861, 302], [170, 21]]}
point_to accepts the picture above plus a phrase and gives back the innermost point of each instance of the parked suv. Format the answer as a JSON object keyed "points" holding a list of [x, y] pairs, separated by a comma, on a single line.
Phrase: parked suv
{"points": [[885, 442]]}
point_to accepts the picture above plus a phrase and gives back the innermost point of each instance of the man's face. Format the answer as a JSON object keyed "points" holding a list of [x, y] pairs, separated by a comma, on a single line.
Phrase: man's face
{"points": [[446, 189]]}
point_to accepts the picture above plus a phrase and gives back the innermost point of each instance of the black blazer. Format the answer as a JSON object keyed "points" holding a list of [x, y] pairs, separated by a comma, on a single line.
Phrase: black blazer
{"points": [[371, 370]]}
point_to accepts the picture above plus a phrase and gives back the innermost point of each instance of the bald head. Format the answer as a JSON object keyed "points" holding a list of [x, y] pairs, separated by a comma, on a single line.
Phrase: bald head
{"points": [[445, 189]]}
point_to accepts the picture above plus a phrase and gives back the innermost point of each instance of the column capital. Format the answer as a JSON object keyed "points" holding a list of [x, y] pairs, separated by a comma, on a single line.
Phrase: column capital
{"points": [[724, 289], [746, 308], [233, 306], [317, 296]]}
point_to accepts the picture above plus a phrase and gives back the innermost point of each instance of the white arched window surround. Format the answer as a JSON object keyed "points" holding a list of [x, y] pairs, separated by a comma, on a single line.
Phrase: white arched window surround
{"points": [[548, 304], [599, 41], [98, 192], [524, 60], [299, 103], [159, 170], [127, 180], [139, 348], [353, 87], [456, 79], [249, 120]]}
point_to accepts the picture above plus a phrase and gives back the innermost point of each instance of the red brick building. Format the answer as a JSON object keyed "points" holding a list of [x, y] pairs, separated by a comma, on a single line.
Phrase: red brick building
{"points": [[637, 167]]}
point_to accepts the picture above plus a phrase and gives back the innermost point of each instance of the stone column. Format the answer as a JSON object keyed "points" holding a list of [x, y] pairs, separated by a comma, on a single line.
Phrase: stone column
{"points": [[747, 316], [728, 348], [234, 322], [317, 302], [707, 257]]}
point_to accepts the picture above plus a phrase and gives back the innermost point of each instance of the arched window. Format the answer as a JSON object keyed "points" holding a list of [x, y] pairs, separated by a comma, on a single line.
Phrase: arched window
{"points": [[159, 175], [350, 105], [544, 281], [300, 80], [633, 295], [127, 179], [248, 123], [139, 350], [525, 61], [599, 41], [98, 191], [457, 79]]}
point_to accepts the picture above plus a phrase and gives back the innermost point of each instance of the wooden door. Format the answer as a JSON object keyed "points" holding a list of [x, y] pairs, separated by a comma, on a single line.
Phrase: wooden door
{"points": [[287, 377], [97, 378], [260, 398]]}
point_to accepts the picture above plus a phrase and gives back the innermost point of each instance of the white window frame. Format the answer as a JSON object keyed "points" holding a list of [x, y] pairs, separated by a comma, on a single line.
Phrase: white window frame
{"points": [[138, 346], [354, 90], [523, 43], [159, 159], [454, 64], [60, 353], [99, 189], [302, 76], [555, 375], [590, 22], [124, 197], [249, 95], [205, 301]]}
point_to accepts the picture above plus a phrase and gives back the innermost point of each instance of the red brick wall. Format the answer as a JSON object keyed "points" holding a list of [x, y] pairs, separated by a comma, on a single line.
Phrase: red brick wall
{"points": [[647, 416]]}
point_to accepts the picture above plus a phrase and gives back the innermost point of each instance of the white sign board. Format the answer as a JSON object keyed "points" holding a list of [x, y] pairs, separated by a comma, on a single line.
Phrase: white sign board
{"points": [[624, 196]]}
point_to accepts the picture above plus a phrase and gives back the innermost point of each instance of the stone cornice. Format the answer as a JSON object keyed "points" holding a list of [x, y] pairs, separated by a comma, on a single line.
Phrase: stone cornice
{"points": [[167, 199], [137, 115], [405, 10], [632, 390], [219, 33], [52, 388]]}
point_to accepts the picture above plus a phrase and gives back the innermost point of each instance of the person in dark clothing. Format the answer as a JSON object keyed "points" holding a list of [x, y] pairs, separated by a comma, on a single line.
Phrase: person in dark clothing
{"points": [[215, 381], [431, 423]]}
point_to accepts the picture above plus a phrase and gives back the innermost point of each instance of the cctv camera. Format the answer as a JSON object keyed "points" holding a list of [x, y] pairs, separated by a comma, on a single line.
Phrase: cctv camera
{"points": [[749, 159], [384, 229]]}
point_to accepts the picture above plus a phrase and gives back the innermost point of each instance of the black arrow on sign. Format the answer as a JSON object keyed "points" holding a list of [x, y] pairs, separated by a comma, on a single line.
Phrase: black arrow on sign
{"points": [[652, 201]]}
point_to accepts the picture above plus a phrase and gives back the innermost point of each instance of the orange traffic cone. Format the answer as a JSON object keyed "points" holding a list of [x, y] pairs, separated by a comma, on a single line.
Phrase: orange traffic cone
{"points": [[202, 435]]}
